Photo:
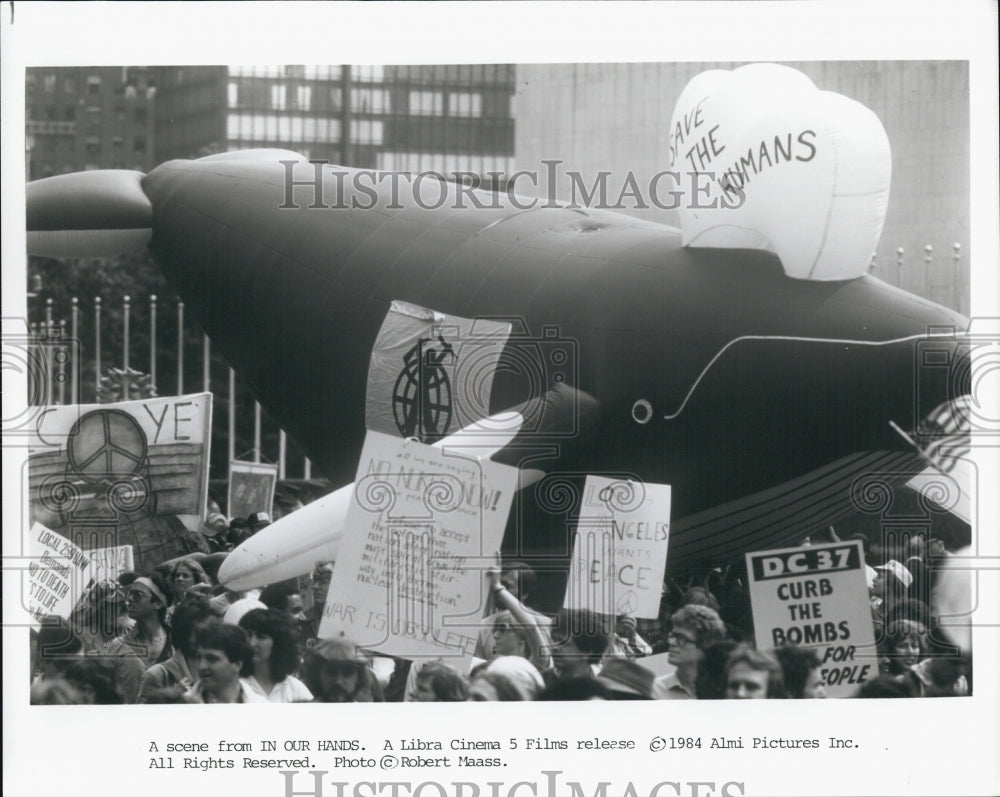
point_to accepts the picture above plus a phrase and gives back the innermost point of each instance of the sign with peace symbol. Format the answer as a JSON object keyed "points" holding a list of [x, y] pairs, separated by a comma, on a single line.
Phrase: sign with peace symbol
{"points": [[106, 445]]}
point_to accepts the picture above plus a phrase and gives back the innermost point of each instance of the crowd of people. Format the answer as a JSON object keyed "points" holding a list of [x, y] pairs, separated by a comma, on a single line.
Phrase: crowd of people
{"points": [[174, 635]]}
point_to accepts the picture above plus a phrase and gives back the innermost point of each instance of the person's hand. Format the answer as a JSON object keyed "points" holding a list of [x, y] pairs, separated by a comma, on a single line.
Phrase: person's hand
{"points": [[493, 578], [627, 626]]}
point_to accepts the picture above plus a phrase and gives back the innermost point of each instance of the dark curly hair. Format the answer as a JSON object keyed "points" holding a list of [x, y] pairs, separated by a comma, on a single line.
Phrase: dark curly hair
{"points": [[281, 629]]}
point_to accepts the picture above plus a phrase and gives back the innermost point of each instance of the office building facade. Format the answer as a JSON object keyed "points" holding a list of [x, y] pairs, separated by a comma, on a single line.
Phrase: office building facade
{"points": [[84, 118], [443, 118]]}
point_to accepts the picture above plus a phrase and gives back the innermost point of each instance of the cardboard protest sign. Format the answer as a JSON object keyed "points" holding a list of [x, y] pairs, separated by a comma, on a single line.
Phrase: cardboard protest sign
{"points": [[158, 446], [620, 548], [107, 563], [430, 373], [251, 487], [815, 596], [58, 574], [130, 473], [422, 526]]}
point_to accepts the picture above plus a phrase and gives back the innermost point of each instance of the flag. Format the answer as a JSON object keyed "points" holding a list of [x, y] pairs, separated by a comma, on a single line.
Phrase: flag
{"points": [[944, 435]]}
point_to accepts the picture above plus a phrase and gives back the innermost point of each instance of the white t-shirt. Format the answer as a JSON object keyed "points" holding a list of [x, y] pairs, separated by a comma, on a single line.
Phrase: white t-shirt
{"points": [[291, 690]]}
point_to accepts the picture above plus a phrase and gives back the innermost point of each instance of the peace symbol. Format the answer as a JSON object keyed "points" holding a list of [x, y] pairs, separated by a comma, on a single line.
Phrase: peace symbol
{"points": [[106, 444]]}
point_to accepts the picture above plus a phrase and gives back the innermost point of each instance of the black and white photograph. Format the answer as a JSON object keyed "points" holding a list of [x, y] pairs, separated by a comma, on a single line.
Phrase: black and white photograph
{"points": [[478, 360]]}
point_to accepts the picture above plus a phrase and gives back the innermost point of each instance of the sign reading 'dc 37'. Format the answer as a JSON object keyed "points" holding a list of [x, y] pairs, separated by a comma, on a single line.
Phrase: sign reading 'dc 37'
{"points": [[815, 596]]}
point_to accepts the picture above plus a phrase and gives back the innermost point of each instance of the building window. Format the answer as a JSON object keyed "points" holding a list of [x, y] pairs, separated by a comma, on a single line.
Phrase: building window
{"points": [[369, 100], [140, 116], [94, 84], [303, 97], [70, 113], [464, 103], [320, 72], [93, 146], [335, 99], [366, 131], [278, 97], [369, 73], [426, 103], [50, 84], [140, 144], [69, 84], [233, 95]]}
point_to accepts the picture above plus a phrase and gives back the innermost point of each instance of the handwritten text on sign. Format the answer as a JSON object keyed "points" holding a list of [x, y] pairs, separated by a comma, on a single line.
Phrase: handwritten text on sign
{"points": [[816, 597], [176, 419], [107, 563], [417, 516], [57, 574], [620, 550]]}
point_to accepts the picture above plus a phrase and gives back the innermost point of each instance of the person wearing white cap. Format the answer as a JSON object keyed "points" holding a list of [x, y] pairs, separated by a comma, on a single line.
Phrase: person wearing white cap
{"points": [[889, 588], [240, 607]]}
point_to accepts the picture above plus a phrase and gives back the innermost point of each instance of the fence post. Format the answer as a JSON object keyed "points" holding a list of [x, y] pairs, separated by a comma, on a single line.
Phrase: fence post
{"points": [[47, 351], [180, 348], [62, 355], [256, 431], [74, 385], [232, 414], [152, 340], [206, 353], [97, 348], [126, 310]]}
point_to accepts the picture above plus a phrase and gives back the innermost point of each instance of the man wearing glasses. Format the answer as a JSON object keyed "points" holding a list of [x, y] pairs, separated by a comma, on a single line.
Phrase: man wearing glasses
{"points": [[694, 629]]}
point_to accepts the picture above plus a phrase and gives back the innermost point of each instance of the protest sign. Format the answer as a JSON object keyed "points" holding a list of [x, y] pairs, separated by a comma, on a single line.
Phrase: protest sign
{"points": [[422, 526], [251, 487], [129, 473], [107, 563], [158, 445], [430, 373], [815, 596], [58, 573], [620, 548]]}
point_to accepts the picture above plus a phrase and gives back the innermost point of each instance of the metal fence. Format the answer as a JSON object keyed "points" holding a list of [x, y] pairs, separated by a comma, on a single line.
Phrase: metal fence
{"points": [[72, 370]]}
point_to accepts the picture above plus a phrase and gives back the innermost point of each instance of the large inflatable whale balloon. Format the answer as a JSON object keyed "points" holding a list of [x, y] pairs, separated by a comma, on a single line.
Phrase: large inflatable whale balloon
{"points": [[747, 360]]}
